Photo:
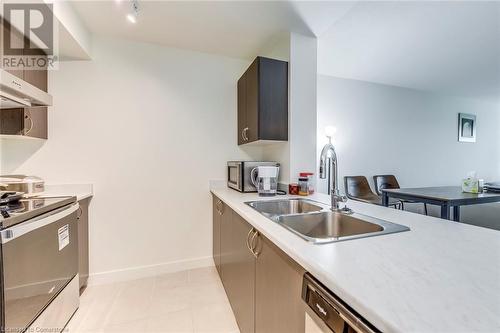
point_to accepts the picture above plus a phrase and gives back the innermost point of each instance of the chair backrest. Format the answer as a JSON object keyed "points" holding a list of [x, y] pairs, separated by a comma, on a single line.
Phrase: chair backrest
{"points": [[357, 187], [385, 181]]}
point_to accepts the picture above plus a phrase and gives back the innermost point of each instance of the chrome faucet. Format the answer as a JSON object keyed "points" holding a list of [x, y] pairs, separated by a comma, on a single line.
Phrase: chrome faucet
{"points": [[328, 151]]}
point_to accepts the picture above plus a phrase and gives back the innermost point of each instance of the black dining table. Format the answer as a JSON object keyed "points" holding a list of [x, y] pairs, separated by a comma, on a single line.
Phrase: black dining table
{"points": [[444, 196]]}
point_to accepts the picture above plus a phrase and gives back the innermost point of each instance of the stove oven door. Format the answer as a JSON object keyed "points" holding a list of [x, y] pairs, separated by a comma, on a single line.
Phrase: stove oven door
{"points": [[40, 257]]}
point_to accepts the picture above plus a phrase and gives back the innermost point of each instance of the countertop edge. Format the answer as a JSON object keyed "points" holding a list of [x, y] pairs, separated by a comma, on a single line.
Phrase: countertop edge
{"points": [[81, 191]]}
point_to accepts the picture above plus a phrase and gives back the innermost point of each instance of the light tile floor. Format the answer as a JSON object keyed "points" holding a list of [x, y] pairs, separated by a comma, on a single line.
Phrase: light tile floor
{"points": [[188, 301]]}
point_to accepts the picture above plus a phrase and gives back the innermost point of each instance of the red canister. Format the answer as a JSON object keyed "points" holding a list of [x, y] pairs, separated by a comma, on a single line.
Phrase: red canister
{"points": [[293, 189]]}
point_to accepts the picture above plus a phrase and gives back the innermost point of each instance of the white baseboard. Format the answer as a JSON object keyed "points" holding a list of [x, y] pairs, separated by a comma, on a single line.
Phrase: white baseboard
{"points": [[139, 272]]}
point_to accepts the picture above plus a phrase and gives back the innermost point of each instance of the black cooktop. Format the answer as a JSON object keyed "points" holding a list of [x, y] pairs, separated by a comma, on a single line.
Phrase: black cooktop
{"points": [[19, 211]]}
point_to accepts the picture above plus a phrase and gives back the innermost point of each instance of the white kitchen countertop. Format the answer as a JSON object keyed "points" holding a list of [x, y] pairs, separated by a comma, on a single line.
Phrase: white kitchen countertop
{"points": [[441, 276], [81, 191]]}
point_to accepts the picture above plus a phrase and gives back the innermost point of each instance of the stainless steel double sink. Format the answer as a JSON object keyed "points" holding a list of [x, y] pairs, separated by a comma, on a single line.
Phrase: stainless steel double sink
{"points": [[317, 224]]}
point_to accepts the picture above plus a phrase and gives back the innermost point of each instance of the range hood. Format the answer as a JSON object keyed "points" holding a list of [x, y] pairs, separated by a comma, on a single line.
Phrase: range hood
{"points": [[16, 93]]}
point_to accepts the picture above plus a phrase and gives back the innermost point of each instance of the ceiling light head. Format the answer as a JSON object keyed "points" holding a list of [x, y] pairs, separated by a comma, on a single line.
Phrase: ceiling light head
{"points": [[132, 16]]}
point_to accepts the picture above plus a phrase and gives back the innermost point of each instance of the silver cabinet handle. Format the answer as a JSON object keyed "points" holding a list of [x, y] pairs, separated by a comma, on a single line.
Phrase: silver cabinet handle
{"points": [[248, 240], [80, 212], [253, 247], [28, 116], [221, 207], [218, 205], [244, 134]]}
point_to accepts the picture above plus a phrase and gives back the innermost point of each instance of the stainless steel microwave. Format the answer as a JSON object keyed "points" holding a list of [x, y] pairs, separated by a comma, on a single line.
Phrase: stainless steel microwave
{"points": [[238, 174]]}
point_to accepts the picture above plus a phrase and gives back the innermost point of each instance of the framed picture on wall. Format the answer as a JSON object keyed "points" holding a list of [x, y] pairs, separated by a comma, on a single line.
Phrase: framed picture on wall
{"points": [[466, 127]]}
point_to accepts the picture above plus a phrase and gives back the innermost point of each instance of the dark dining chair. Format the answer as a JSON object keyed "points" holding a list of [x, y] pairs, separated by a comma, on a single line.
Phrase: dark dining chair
{"points": [[390, 182], [357, 188]]}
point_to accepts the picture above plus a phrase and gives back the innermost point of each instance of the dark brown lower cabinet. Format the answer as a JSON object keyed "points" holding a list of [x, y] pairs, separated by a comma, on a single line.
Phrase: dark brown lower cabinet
{"points": [[264, 290], [218, 207], [238, 271], [83, 242], [278, 287]]}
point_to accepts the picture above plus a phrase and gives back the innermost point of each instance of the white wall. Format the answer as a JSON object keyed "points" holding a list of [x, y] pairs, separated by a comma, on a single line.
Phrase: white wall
{"points": [[303, 99], [149, 126], [411, 134], [299, 153], [279, 48]]}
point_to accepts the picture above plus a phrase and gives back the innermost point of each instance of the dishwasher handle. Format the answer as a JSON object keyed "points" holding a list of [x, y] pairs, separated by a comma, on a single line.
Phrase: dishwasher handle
{"points": [[330, 309]]}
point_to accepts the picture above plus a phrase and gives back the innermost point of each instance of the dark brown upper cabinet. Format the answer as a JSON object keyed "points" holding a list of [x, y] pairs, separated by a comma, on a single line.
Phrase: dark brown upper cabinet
{"points": [[263, 102], [36, 77], [27, 122], [15, 38]]}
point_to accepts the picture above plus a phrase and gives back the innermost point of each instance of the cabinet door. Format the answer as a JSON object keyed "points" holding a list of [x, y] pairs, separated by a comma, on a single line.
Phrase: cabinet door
{"points": [[238, 271], [216, 222], [273, 99], [242, 109], [12, 121], [83, 242], [16, 40], [30, 122], [252, 101], [35, 122], [37, 77], [225, 247], [35, 119], [278, 287], [263, 101]]}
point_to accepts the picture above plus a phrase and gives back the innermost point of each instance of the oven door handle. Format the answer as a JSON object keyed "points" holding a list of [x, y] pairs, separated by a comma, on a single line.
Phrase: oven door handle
{"points": [[23, 228]]}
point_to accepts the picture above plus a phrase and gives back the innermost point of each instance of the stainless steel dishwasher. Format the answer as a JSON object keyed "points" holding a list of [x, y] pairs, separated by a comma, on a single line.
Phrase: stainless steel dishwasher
{"points": [[327, 313]]}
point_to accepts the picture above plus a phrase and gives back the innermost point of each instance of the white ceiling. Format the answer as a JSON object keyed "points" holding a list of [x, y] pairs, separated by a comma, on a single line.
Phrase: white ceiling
{"points": [[447, 47], [231, 28]]}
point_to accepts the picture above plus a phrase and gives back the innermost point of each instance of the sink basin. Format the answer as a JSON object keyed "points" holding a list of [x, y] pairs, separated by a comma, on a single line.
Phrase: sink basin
{"points": [[315, 223], [274, 208], [326, 227]]}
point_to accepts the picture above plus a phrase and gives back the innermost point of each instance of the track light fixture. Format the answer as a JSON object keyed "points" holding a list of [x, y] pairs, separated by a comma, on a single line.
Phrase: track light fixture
{"points": [[132, 16]]}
